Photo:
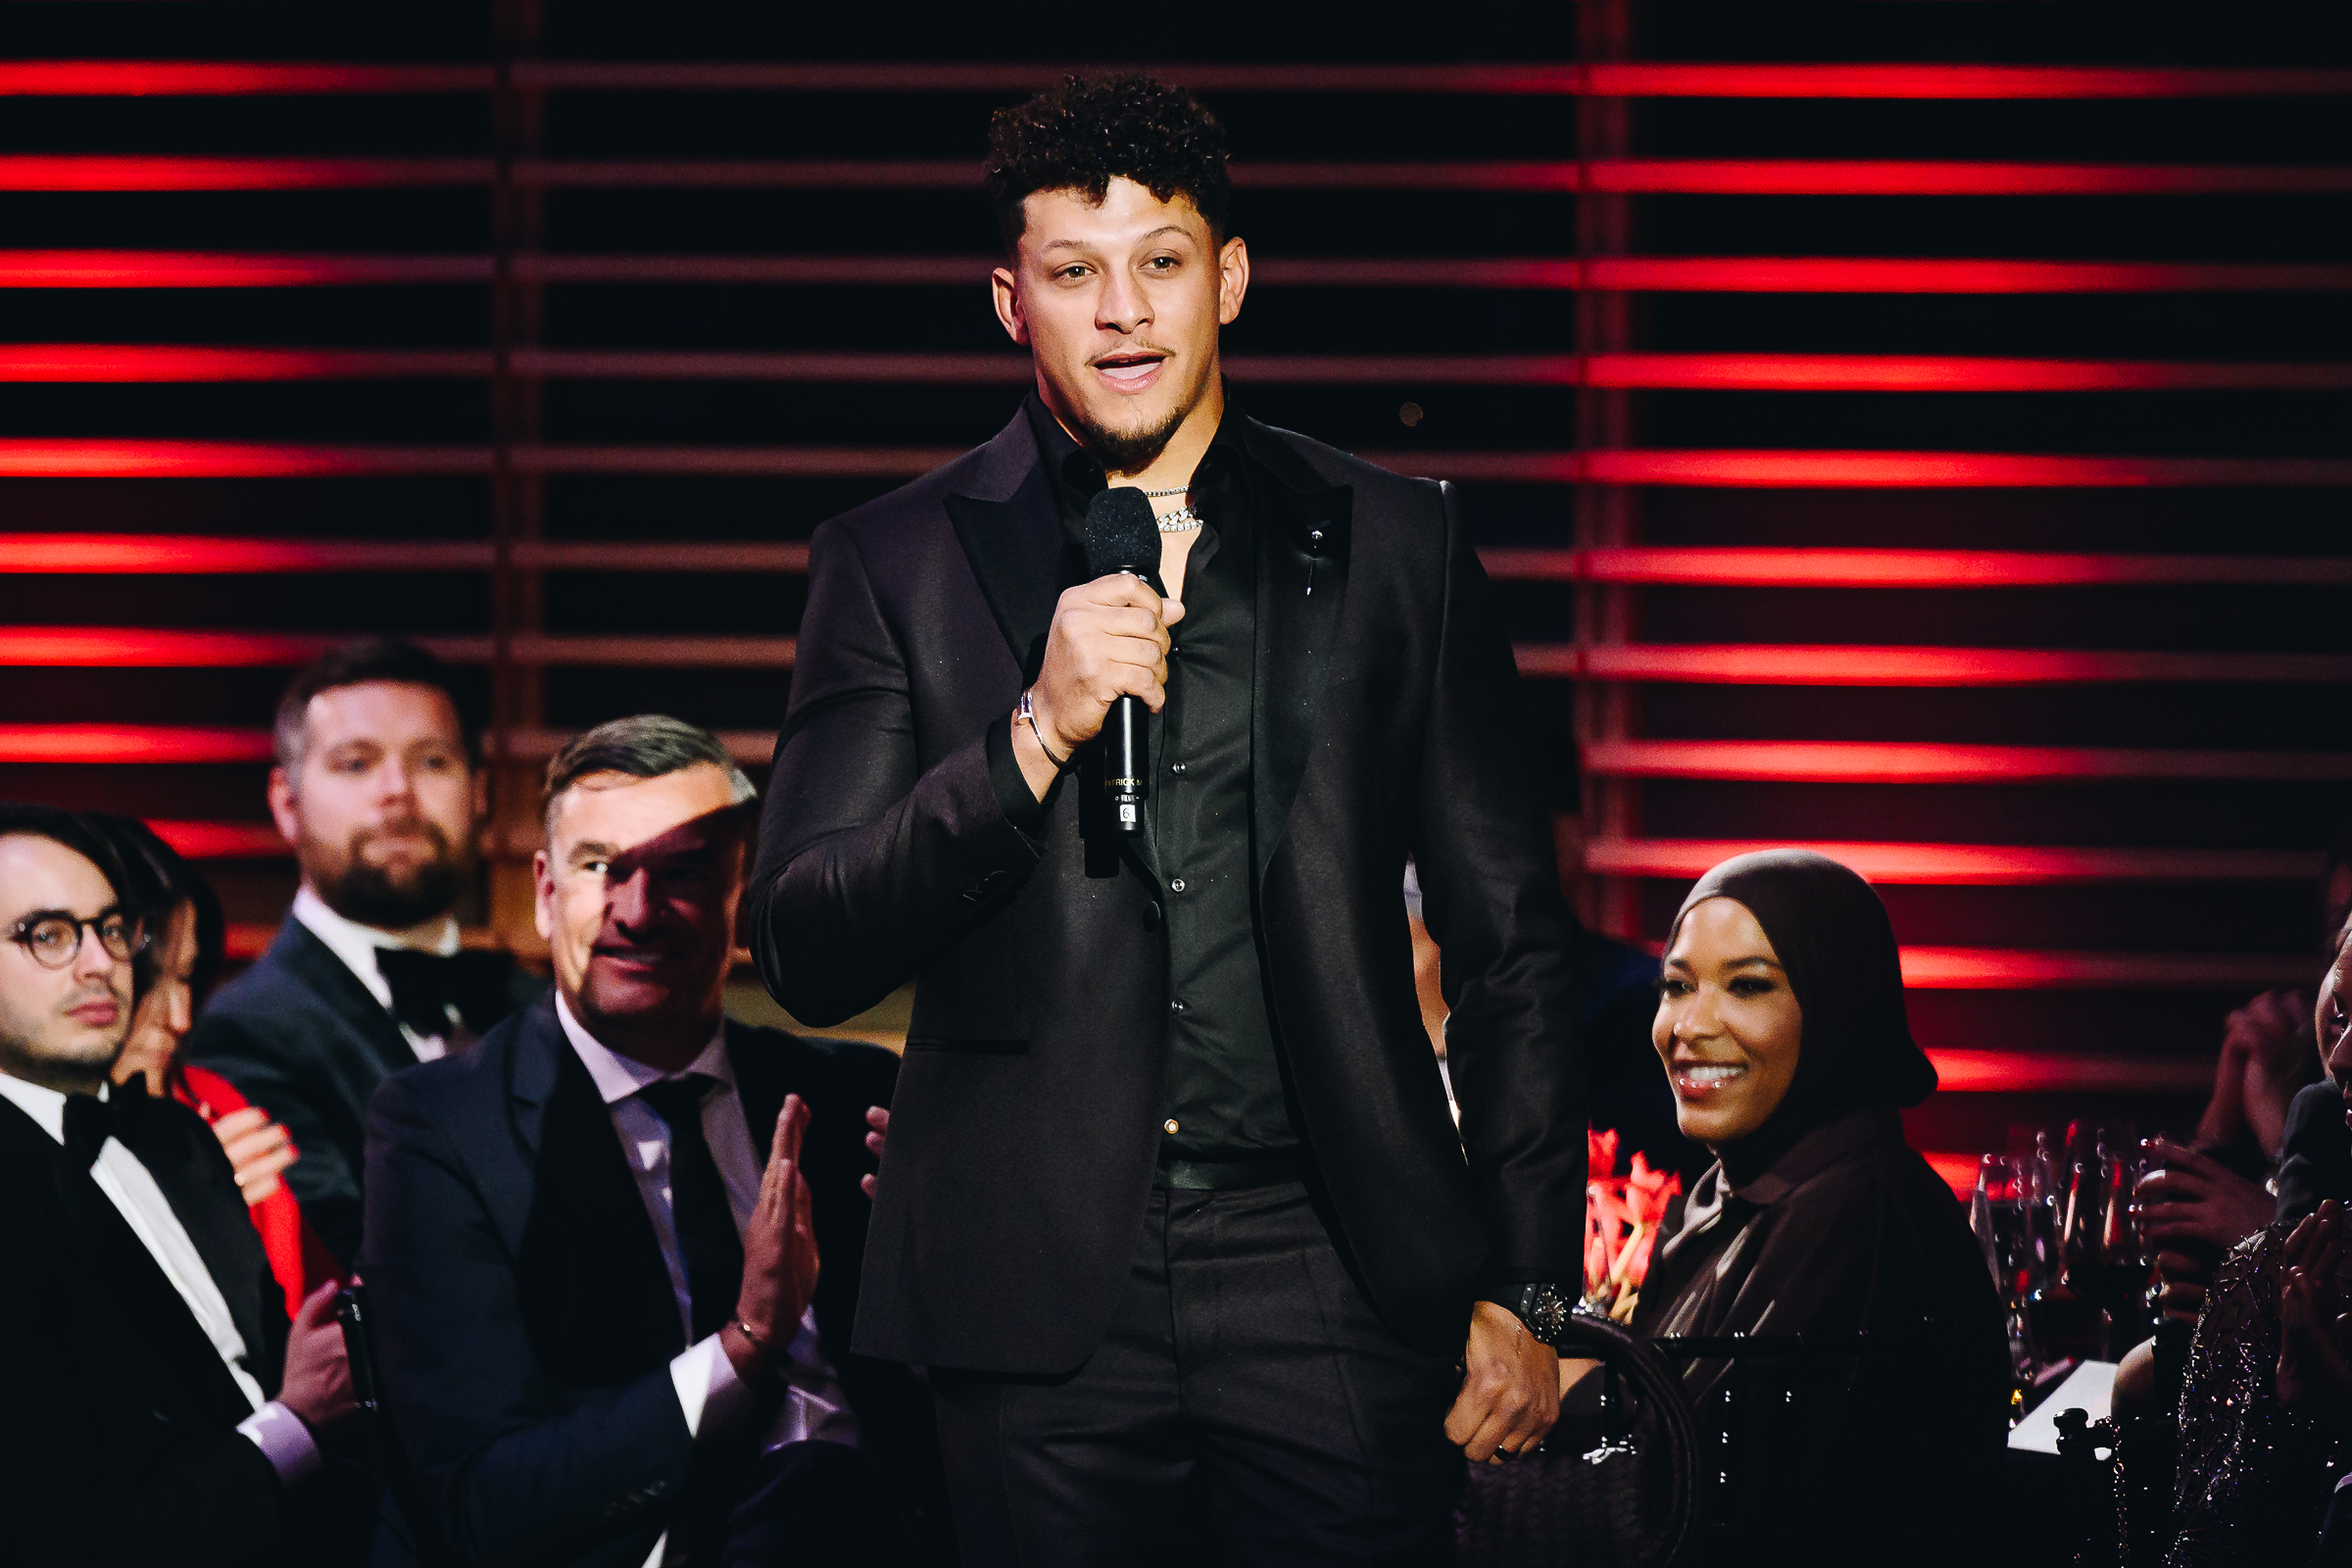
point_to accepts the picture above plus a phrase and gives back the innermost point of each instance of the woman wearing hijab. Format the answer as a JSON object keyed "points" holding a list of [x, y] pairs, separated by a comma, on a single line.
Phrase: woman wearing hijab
{"points": [[1782, 1028]]}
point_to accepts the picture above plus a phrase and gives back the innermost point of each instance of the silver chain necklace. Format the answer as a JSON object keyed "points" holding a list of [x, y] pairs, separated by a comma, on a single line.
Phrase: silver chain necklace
{"points": [[1184, 520]]}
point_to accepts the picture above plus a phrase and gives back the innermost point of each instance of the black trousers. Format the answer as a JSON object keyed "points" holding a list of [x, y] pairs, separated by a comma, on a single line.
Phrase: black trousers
{"points": [[1245, 1407]]}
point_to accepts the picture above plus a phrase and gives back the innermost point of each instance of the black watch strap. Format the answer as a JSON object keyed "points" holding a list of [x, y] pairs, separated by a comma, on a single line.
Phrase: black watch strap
{"points": [[1540, 1305]]}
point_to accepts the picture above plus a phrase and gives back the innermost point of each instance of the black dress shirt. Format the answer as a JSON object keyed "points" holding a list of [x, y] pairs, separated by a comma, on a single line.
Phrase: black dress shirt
{"points": [[1224, 1097]]}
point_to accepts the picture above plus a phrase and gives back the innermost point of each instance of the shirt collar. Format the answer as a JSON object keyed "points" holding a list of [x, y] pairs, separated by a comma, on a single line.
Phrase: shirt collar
{"points": [[1815, 1152], [617, 1077], [355, 944], [1075, 473], [42, 1104]]}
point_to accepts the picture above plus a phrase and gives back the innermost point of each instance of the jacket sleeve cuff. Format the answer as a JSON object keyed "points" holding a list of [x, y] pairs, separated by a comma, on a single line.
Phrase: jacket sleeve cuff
{"points": [[1024, 810], [284, 1439]]}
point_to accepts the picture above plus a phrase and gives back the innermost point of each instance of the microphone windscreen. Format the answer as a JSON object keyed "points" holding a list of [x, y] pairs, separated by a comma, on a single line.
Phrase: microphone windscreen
{"points": [[1122, 534]]}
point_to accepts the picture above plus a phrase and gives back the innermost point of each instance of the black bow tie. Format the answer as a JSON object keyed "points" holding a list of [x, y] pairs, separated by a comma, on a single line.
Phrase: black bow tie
{"points": [[91, 1121], [427, 986]]}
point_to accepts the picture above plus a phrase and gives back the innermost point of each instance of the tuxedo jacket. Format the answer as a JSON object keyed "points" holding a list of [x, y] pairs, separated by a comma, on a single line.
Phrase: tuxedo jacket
{"points": [[304, 1037], [118, 1439], [1386, 722], [526, 1321]]}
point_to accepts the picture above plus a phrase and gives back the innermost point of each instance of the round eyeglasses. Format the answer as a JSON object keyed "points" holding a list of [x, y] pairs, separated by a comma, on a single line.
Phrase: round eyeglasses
{"points": [[54, 937]]}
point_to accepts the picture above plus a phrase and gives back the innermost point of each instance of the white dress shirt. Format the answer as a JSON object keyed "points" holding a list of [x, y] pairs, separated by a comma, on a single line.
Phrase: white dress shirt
{"points": [[355, 945], [709, 1394], [276, 1431]]}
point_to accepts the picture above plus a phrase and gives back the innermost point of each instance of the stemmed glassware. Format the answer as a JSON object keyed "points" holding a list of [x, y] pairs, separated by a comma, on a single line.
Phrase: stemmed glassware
{"points": [[2002, 1213]]}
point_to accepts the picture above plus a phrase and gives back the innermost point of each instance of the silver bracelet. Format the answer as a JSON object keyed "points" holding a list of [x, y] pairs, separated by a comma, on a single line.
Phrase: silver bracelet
{"points": [[1027, 712]]}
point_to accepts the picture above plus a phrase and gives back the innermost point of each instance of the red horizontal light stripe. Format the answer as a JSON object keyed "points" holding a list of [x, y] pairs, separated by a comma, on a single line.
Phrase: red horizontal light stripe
{"points": [[97, 268], [98, 171], [33, 171], [2034, 969], [23, 458], [156, 362], [1838, 471], [1661, 273], [1844, 664], [1607, 79], [1768, 566], [98, 647], [195, 555], [1920, 762], [223, 841], [104, 458], [134, 79], [130, 743], [1728, 567], [1611, 80], [1966, 865], [145, 363], [2033, 1072]]}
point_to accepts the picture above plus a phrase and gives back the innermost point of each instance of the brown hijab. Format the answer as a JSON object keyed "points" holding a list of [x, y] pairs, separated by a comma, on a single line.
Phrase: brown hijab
{"points": [[1837, 949]]}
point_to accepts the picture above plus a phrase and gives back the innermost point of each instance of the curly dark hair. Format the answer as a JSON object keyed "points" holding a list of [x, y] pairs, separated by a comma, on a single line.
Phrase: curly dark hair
{"points": [[1094, 129]]}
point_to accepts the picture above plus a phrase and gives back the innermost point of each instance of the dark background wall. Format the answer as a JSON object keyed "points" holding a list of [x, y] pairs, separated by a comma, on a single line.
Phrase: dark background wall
{"points": [[549, 338]]}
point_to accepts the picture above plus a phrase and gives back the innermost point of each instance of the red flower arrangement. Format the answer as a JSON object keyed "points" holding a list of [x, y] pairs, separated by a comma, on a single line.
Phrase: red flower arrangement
{"points": [[1622, 1216]]}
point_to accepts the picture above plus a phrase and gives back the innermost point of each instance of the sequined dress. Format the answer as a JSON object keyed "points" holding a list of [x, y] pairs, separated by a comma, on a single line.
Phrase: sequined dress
{"points": [[2253, 1480]]}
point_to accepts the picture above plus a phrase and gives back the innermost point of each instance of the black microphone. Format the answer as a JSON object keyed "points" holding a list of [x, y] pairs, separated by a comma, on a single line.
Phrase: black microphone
{"points": [[1122, 534]]}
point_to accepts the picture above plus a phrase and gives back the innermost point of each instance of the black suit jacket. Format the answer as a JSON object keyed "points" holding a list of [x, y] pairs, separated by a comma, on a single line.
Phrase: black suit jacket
{"points": [[116, 1416], [1023, 1142], [525, 1321], [302, 1037]]}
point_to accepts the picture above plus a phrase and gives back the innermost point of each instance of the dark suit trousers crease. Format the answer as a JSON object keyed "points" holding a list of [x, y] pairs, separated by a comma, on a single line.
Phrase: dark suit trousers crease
{"points": [[1244, 1406]]}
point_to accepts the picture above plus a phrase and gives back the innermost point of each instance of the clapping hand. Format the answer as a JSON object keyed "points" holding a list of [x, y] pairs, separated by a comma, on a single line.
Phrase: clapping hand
{"points": [[2314, 1371], [779, 1252]]}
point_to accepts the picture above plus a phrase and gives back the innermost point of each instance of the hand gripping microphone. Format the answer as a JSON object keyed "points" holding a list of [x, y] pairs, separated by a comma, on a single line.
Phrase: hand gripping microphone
{"points": [[1122, 535]]}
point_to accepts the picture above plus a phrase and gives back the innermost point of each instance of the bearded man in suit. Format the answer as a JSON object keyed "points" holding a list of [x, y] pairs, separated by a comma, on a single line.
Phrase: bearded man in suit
{"points": [[1174, 1210]]}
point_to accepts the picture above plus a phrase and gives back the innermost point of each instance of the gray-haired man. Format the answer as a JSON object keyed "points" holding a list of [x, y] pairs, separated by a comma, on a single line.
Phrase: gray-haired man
{"points": [[593, 1239]]}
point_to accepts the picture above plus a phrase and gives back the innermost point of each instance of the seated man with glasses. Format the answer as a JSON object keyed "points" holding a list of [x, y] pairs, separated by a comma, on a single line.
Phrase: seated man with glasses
{"points": [[161, 1408]]}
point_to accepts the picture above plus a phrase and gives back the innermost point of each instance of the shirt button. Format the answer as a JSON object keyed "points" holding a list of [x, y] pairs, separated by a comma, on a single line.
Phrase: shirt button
{"points": [[1175, 1007], [1176, 885], [1169, 1126], [1176, 767]]}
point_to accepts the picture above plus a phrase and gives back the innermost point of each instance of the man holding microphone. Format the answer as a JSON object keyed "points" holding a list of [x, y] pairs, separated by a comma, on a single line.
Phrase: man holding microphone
{"points": [[1173, 1207]]}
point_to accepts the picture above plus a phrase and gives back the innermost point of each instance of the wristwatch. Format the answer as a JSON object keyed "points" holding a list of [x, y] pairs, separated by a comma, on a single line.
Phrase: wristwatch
{"points": [[1541, 1306]]}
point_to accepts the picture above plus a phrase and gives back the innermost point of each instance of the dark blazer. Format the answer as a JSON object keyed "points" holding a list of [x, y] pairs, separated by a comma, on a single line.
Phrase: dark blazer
{"points": [[302, 1037], [1023, 1142], [525, 1321], [117, 1420]]}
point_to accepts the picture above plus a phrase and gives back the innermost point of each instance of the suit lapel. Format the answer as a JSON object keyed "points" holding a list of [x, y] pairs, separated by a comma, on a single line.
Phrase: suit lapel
{"points": [[38, 1177], [1302, 555], [315, 965], [211, 1211], [1011, 533]]}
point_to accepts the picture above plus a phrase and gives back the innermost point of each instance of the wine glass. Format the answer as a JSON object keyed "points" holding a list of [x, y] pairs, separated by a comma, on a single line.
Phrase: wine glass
{"points": [[2106, 1260], [2002, 1213]]}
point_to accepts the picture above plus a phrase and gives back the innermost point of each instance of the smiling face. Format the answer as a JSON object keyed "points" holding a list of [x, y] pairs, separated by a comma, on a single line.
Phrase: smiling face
{"points": [[1121, 304], [61, 1028], [1727, 1024], [638, 888], [382, 802]]}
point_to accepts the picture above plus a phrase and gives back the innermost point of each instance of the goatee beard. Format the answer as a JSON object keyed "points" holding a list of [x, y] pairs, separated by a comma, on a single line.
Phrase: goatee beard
{"points": [[373, 896], [1129, 451]]}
